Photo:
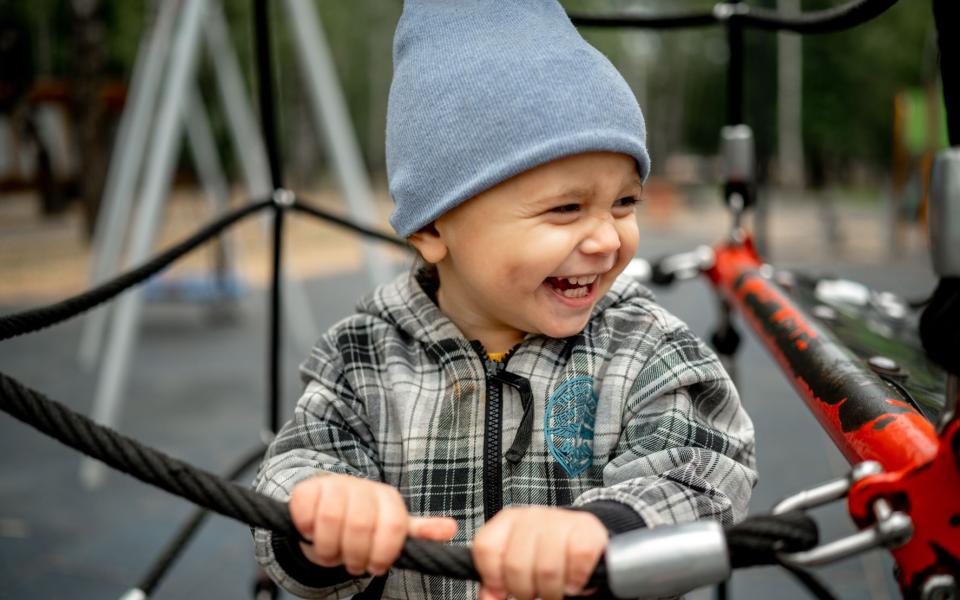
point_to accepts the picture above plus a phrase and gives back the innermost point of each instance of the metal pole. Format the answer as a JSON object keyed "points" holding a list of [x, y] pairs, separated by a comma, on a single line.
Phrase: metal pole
{"points": [[281, 198], [162, 155], [790, 102], [241, 121], [210, 171], [330, 110], [734, 72], [125, 162]]}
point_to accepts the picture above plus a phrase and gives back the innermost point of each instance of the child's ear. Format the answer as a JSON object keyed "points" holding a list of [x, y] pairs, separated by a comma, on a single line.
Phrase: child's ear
{"points": [[429, 244]]}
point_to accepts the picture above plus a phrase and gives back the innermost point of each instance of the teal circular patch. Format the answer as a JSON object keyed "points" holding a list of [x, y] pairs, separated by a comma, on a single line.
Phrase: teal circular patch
{"points": [[569, 422]]}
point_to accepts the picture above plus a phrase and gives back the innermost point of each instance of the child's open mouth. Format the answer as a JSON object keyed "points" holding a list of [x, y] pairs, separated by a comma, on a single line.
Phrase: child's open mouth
{"points": [[573, 288]]}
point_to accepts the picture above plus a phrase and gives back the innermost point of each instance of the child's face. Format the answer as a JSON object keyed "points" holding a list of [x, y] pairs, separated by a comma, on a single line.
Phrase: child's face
{"points": [[506, 256]]}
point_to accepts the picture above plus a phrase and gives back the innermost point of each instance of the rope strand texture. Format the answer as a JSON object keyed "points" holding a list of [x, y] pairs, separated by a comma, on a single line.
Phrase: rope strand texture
{"points": [[45, 316]]}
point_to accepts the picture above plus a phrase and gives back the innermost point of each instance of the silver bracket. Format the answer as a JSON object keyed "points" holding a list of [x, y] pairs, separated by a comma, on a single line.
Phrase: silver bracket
{"points": [[890, 529]]}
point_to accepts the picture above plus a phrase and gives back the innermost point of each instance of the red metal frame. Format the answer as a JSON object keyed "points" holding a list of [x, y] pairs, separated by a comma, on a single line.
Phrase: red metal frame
{"points": [[866, 418]]}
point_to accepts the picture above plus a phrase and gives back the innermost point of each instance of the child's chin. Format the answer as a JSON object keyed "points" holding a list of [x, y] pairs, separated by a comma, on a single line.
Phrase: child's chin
{"points": [[564, 330]]}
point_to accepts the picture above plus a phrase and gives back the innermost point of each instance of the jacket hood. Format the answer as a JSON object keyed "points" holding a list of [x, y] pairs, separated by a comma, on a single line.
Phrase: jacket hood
{"points": [[407, 304]]}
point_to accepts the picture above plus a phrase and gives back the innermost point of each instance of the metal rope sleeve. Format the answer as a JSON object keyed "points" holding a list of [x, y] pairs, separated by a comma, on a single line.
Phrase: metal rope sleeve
{"points": [[838, 18], [40, 318]]}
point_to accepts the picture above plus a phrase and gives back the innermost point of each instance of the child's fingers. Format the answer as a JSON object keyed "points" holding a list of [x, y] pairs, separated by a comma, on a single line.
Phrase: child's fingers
{"points": [[302, 506], [328, 522], [584, 547], [357, 533], [438, 529], [390, 532], [487, 594], [550, 567], [519, 561], [488, 550]]}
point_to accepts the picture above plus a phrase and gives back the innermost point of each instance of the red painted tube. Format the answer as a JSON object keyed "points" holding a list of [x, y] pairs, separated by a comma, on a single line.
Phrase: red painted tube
{"points": [[865, 418]]}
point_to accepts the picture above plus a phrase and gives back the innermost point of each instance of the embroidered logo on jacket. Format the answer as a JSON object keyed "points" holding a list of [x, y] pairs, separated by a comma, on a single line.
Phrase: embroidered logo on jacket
{"points": [[568, 424]]}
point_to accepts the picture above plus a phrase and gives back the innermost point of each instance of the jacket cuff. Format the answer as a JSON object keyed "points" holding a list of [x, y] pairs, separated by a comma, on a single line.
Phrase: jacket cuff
{"points": [[616, 516], [298, 567]]}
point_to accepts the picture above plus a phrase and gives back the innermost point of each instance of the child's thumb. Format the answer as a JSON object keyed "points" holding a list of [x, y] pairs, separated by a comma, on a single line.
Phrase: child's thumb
{"points": [[438, 529]]}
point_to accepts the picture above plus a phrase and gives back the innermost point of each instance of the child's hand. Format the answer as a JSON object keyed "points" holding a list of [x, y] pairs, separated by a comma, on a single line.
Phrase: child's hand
{"points": [[358, 523], [537, 552]]}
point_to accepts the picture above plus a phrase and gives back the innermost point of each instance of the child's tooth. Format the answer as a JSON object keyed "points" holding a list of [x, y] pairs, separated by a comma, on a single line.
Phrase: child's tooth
{"points": [[572, 280]]}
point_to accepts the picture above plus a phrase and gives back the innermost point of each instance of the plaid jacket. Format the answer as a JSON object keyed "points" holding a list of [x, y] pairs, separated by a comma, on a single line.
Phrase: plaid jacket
{"points": [[634, 413]]}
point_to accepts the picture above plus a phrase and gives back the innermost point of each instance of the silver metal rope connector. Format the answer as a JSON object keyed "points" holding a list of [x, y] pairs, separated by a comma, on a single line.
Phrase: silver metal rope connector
{"points": [[283, 197], [667, 561], [724, 11]]}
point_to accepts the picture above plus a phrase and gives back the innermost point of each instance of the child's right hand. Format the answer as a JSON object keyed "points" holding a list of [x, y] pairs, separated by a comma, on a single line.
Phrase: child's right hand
{"points": [[358, 523]]}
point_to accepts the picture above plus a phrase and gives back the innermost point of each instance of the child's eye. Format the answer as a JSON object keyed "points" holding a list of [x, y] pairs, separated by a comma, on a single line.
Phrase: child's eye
{"points": [[565, 208], [627, 201]]}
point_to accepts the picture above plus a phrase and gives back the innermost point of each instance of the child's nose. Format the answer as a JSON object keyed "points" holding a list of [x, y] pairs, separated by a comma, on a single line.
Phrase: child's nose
{"points": [[602, 238]]}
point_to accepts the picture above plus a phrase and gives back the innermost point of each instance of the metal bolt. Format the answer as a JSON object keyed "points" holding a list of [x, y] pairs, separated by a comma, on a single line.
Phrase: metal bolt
{"points": [[882, 364], [824, 313], [939, 587], [283, 197], [785, 279], [865, 469]]}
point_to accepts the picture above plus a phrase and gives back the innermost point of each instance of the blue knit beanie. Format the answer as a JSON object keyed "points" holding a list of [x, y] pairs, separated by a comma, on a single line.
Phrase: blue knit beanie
{"points": [[486, 89]]}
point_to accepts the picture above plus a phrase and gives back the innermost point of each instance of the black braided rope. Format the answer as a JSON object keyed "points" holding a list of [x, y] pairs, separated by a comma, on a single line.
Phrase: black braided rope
{"points": [[161, 565], [838, 18], [940, 325], [45, 316], [680, 20], [830, 20], [319, 213], [195, 485], [755, 541], [758, 539]]}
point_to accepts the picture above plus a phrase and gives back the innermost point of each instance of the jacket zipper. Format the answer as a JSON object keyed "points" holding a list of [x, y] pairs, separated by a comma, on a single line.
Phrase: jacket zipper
{"points": [[492, 442]]}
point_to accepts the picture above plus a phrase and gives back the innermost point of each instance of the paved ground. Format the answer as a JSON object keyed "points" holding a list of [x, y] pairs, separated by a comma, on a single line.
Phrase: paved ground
{"points": [[198, 384]]}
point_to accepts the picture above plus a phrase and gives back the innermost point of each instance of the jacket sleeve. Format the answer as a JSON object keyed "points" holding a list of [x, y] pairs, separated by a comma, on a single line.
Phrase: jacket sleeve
{"points": [[686, 447], [328, 434]]}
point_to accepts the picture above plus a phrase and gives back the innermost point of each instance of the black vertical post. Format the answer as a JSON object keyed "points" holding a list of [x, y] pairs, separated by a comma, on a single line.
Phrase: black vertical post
{"points": [[946, 14], [280, 198], [734, 71]]}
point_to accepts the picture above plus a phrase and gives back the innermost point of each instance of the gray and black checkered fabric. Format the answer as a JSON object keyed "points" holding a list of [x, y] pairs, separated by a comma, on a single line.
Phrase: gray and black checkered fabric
{"points": [[396, 394]]}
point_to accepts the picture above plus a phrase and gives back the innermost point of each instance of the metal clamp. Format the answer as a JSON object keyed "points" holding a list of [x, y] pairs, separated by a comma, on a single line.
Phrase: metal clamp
{"points": [[944, 221], [738, 153], [686, 265], [890, 529], [667, 561]]}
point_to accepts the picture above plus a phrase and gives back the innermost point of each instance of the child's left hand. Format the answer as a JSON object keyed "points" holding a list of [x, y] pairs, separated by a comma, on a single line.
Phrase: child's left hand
{"points": [[537, 552]]}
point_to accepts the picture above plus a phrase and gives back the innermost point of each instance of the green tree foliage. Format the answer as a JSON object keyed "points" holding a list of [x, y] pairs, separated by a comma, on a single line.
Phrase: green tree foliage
{"points": [[850, 78]]}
